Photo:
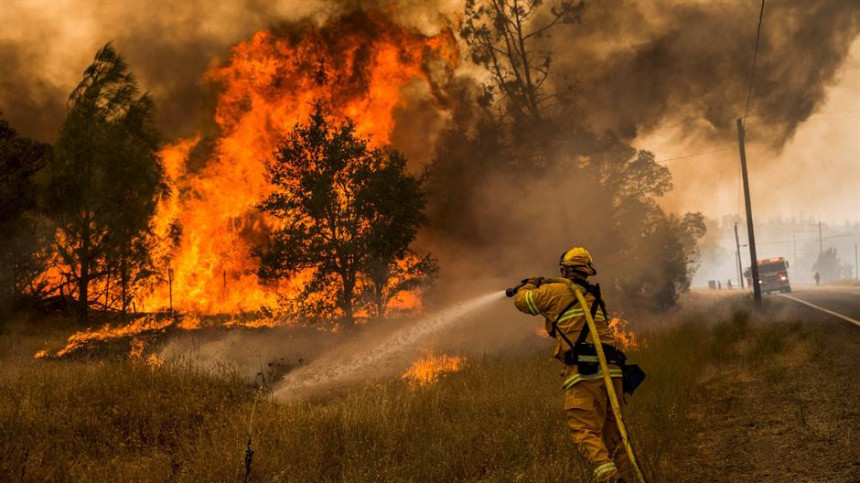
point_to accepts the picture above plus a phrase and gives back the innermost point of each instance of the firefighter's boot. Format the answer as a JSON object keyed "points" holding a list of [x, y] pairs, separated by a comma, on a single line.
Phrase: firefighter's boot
{"points": [[593, 428]]}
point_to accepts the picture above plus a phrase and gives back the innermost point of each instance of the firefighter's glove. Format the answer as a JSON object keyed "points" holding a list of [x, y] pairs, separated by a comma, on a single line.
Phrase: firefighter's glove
{"points": [[536, 281]]}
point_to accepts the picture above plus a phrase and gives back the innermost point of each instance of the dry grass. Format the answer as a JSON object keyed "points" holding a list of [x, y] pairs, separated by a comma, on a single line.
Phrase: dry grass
{"points": [[499, 419]]}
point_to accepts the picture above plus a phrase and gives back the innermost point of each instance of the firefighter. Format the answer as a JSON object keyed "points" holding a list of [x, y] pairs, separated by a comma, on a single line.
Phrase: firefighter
{"points": [[590, 417]]}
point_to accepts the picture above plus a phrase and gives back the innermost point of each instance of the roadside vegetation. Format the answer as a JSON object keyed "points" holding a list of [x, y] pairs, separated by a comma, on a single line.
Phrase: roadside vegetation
{"points": [[499, 419]]}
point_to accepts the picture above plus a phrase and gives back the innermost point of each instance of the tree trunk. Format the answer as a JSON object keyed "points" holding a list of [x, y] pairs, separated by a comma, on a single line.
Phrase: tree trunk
{"points": [[123, 267], [83, 285], [380, 300], [348, 295]]}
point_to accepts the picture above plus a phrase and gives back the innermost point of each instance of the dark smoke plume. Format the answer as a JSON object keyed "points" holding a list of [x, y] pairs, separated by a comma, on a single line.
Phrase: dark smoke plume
{"points": [[641, 63], [637, 63]]}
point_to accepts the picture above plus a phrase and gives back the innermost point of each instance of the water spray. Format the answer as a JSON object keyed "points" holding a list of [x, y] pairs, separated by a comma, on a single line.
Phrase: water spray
{"points": [[328, 369]]}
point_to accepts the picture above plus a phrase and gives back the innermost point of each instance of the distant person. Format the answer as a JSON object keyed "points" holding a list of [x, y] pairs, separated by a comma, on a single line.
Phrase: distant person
{"points": [[729, 284], [590, 416], [817, 277], [719, 285]]}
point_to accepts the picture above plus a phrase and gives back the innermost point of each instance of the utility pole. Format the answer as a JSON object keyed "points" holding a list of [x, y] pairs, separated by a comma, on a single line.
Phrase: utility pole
{"points": [[740, 266], [750, 228]]}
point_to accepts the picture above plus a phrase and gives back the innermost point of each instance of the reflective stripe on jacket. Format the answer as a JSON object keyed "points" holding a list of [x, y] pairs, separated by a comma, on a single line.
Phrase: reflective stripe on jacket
{"points": [[549, 300]]}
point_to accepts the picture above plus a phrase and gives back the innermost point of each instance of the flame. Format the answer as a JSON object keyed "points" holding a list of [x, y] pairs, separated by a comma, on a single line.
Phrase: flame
{"points": [[140, 332], [625, 337], [191, 322], [137, 347], [427, 370], [154, 360], [357, 66], [83, 339], [268, 85]]}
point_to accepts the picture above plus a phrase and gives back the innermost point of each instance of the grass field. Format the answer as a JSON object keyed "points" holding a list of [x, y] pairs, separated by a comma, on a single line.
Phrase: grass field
{"points": [[499, 419]]}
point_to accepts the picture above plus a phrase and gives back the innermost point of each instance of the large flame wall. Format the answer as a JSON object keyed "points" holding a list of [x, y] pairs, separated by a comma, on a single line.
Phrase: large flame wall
{"points": [[355, 66]]}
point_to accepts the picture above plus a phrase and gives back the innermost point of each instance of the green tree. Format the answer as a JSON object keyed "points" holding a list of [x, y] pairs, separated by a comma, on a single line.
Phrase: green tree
{"points": [[349, 214], [21, 229], [104, 182]]}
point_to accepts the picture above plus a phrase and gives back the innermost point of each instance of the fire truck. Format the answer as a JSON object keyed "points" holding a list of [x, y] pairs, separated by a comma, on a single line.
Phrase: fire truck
{"points": [[772, 274]]}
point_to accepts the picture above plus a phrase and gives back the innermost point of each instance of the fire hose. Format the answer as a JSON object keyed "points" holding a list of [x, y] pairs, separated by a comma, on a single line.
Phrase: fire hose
{"points": [[607, 379], [249, 452]]}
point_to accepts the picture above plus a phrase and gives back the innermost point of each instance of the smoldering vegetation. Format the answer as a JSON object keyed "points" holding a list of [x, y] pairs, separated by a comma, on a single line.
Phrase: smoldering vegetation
{"points": [[497, 419], [507, 196], [301, 362]]}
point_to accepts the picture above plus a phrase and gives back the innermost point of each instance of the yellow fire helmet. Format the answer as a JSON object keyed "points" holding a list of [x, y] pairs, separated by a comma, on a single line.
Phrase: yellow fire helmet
{"points": [[579, 259]]}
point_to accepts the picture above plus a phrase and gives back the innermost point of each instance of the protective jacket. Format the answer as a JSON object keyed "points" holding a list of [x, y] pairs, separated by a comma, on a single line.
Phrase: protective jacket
{"points": [[549, 299]]}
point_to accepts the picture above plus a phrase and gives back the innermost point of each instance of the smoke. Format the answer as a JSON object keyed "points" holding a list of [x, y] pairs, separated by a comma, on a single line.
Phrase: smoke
{"points": [[169, 46], [299, 362], [639, 67], [637, 64], [645, 62], [370, 355]]}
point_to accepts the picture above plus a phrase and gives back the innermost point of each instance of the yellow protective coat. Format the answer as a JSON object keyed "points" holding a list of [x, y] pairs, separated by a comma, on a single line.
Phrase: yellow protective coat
{"points": [[590, 418]]}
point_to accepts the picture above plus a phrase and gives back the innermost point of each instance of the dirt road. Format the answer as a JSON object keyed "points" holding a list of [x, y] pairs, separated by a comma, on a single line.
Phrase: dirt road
{"points": [[784, 405]]}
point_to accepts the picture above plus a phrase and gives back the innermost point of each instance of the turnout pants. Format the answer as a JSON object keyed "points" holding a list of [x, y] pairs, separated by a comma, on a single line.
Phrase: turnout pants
{"points": [[593, 427]]}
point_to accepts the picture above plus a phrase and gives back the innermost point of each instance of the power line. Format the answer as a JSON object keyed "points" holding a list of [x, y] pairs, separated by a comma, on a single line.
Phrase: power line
{"points": [[776, 242], [755, 59], [692, 155]]}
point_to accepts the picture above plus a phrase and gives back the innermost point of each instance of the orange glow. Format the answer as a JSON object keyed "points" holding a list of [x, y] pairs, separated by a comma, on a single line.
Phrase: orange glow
{"points": [[81, 340], [139, 332], [191, 322], [154, 360], [209, 223], [137, 347], [625, 337], [405, 301], [427, 370], [267, 86]]}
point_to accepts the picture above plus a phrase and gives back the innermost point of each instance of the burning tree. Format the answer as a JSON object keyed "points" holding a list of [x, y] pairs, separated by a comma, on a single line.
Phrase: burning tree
{"points": [[103, 184], [349, 214]]}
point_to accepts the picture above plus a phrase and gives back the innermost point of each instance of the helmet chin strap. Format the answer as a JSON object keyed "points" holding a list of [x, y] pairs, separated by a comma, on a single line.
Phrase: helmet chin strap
{"points": [[571, 273]]}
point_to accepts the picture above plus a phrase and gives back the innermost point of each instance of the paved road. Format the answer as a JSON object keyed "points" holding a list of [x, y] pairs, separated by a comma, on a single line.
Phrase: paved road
{"points": [[844, 301]]}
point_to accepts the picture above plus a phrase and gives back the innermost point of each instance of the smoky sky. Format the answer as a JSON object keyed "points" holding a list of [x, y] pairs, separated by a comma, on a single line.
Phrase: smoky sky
{"points": [[639, 63], [45, 46], [636, 63]]}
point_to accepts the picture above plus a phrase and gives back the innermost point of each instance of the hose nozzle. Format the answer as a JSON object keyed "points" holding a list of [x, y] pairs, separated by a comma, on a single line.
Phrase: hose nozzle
{"points": [[513, 290]]}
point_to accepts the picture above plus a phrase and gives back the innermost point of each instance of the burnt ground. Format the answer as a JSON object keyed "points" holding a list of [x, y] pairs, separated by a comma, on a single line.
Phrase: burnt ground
{"points": [[782, 406]]}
